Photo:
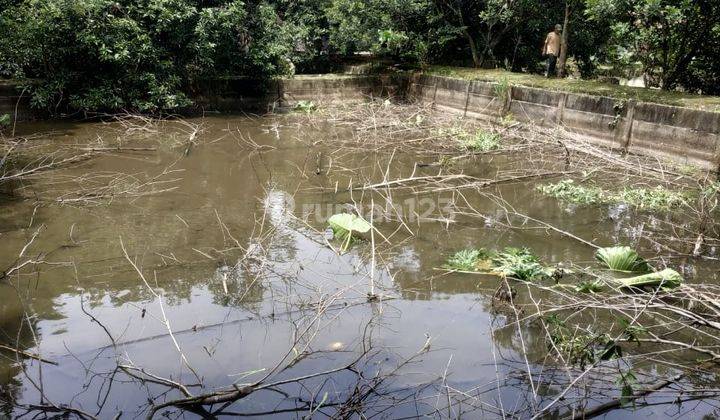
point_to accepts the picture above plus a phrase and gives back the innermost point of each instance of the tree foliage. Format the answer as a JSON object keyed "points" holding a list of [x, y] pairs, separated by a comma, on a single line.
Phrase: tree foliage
{"points": [[142, 54], [109, 55], [671, 42]]}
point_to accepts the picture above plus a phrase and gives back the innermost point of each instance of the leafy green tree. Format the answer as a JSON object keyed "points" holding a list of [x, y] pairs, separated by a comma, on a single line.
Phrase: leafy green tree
{"points": [[401, 28], [670, 39], [111, 55]]}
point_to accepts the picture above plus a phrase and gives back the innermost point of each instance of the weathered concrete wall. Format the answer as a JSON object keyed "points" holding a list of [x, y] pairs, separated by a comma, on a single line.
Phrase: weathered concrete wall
{"points": [[236, 94], [682, 135], [241, 93], [470, 99]]}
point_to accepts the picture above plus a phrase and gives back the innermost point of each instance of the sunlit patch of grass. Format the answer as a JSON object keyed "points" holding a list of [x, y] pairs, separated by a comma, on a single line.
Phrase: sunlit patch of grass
{"points": [[587, 87]]}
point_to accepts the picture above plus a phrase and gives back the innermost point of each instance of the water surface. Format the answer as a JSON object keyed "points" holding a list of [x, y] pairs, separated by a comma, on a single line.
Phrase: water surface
{"points": [[235, 246]]}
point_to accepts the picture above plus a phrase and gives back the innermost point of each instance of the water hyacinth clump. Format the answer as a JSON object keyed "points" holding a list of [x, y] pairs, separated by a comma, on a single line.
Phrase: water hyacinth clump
{"points": [[479, 141], [518, 263], [622, 258], [658, 198], [567, 190], [466, 259]]}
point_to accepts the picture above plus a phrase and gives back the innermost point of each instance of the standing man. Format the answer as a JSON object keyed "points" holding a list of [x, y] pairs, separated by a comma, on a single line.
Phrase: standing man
{"points": [[551, 49]]}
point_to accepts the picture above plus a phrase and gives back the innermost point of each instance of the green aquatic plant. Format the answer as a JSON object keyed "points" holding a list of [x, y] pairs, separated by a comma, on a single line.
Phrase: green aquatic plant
{"points": [[658, 198], [465, 259], [305, 106], [567, 190], [346, 226], [481, 141], [622, 258], [665, 279], [589, 287], [518, 263]]}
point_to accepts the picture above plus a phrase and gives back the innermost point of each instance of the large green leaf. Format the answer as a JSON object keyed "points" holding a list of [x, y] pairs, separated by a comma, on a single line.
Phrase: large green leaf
{"points": [[344, 225], [667, 279], [622, 258], [349, 223]]}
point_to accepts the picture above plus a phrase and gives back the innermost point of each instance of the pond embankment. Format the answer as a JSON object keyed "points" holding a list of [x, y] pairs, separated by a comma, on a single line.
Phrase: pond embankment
{"points": [[682, 135]]}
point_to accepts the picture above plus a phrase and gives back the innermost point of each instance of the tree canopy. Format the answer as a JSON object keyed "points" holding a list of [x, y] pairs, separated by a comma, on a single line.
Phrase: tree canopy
{"points": [[142, 54]]}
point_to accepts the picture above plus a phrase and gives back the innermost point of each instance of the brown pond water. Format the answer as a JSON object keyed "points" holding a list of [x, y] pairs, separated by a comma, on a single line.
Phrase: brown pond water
{"points": [[273, 204]]}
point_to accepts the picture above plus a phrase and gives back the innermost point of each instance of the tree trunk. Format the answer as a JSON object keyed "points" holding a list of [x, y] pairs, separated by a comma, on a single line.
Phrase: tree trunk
{"points": [[473, 48], [562, 59]]}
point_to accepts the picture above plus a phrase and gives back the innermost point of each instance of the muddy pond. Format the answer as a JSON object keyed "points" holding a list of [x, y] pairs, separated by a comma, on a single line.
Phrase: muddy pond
{"points": [[239, 296]]}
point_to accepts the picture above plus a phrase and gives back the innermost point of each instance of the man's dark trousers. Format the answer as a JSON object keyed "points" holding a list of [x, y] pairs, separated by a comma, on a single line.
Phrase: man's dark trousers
{"points": [[551, 65]]}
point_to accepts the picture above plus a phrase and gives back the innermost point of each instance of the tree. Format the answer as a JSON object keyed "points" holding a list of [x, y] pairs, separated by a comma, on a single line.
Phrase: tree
{"points": [[667, 37], [139, 55], [484, 23], [562, 58]]}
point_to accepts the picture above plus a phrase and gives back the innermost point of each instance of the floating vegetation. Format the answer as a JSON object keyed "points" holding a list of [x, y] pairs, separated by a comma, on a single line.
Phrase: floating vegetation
{"points": [[518, 263], [567, 190], [480, 141], [622, 258], [346, 228], [626, 259], [305, 106], [658, 198], [467, 259], [589, 287], [585, 346], [665, 279]]}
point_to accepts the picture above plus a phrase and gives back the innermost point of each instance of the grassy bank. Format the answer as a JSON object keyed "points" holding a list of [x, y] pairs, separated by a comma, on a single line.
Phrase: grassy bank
{"points": [[588, 87]]}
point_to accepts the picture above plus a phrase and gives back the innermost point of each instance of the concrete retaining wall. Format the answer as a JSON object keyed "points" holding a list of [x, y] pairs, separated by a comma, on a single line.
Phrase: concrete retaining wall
{"points": [[240, 93], [683, 135]]}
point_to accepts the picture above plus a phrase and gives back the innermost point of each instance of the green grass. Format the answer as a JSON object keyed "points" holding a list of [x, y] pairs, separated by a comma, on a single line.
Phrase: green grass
{"points": [[588, 87]]}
